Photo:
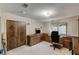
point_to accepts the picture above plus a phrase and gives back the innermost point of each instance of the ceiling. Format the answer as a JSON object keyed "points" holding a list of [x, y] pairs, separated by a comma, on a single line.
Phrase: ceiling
{"points": [[42, 11]]}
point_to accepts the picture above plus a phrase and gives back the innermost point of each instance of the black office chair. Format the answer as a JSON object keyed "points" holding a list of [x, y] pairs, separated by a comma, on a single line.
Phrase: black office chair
{"points": [[55, 39], [55, 36]]}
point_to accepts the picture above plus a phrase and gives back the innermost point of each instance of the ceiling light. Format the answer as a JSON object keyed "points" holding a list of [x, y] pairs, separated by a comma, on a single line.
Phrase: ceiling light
{"points": [[24, 12], [48, 13]]}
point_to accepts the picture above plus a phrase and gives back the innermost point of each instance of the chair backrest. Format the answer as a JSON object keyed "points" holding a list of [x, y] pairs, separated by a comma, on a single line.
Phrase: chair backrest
{"points": [[55, 33], [55, 36]]}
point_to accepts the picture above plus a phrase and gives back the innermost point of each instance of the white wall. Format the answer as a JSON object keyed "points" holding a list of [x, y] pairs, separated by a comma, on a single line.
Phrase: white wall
{"points": [[30, 29], [72, 25], [46, 27]]}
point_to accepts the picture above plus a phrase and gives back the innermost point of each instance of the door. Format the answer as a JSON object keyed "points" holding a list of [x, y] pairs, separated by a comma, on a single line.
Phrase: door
{"points": [[11, 35], [16, 34], [21, 33]]}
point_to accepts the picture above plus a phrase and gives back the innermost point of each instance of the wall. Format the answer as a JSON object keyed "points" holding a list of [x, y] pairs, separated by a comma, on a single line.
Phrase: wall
{"points": [[46, 27], [72, 25], [30, 29]]}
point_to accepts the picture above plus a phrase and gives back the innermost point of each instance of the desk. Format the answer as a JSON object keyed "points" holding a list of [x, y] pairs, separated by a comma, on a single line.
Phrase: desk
{"points": [[67, 42], [46, 37], [33, 39], [36, 38], [75, 41], [70, 42]]}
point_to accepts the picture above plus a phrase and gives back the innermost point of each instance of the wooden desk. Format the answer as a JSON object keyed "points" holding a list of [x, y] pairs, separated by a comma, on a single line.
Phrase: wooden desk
{"points": [[71, 42], [33, 39], [76, 49], [45, 37], [67, 42], [75, 42]]}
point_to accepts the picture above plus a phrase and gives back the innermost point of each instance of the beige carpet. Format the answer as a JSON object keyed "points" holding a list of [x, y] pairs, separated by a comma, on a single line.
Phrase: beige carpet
{"points": [[42, 48]]}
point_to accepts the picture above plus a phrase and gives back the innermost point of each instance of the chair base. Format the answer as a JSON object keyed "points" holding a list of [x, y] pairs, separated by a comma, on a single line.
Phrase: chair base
{"points": [[59, 46]]}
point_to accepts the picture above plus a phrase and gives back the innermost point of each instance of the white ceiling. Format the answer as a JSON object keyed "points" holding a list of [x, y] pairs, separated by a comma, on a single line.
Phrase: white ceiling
{"points": [[36, 10]]}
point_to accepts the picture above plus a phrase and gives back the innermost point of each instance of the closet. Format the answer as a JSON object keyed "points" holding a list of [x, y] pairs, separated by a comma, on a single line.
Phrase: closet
{"points": [[16, 34]]}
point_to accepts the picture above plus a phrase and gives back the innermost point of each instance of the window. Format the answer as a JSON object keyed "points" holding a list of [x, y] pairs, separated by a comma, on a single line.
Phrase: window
{"points": [[55, 28], [62, 29]]}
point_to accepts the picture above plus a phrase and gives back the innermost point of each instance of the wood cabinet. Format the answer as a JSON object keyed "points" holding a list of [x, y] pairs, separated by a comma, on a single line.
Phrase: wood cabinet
{"points": [[33, 39], [76, 46], [67, 42], [16, 34], [45, 37], [36, 38], [76, 49]]}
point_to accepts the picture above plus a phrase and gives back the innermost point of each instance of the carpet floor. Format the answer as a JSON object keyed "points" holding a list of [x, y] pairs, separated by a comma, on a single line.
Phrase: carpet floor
{"points": [[42, 48]]}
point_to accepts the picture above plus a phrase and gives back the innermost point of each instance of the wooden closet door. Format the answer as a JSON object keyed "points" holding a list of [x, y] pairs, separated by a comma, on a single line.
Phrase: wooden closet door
{"points": [[11, 35], [22, 33], [16, 34]]}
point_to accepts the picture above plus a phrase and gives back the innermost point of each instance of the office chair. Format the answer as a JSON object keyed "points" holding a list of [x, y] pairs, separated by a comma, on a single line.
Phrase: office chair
{"points": [[55, 39]]}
